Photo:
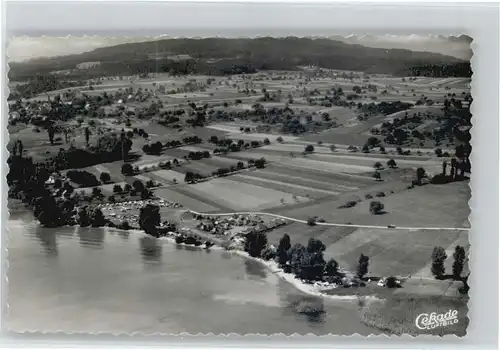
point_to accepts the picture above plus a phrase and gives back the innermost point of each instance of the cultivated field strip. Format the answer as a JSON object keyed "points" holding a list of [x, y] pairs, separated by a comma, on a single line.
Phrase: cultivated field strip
{"points": [[370, 161], [198, 167], [240, 196], [272, 173], [168, 175], [321, 175], [290, 188], [188, 201]]}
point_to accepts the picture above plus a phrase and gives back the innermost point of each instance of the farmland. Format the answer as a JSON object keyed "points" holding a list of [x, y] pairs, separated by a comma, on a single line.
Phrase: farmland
{"points": [[320, 144]]}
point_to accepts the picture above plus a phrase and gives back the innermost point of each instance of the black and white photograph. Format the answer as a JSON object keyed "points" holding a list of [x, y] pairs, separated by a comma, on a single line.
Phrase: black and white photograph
{"points": [[244, 183]]}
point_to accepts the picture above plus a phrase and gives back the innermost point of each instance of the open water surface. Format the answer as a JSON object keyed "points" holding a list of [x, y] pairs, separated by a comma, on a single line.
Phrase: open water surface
{"points": [[104, 280]]}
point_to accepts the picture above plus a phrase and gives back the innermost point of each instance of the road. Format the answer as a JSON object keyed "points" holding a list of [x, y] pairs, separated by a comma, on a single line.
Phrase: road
{"points": [[334, 224]]}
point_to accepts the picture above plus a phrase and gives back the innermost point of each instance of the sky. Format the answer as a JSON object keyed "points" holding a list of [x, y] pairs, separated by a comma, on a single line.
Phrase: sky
{"points": [[92, 25]]}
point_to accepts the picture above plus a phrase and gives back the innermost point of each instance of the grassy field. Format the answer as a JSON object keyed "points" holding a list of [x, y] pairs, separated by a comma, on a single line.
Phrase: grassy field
{"points": [[397, 315]]}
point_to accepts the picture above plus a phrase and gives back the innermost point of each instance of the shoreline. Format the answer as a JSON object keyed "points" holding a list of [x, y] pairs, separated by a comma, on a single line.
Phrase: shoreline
{"points": [[298, 284], [309, 289]]}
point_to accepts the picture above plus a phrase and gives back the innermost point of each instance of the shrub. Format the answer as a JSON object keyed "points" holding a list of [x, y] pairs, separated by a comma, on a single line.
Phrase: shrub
{"points": [[311, 221], [349, 204], [439, 152], [111, 199], [127, 188], [279, 139], [268, 254], [368, 196], [309, 149], [391, 282], [380, 194], [391, 163], [376, 207]]}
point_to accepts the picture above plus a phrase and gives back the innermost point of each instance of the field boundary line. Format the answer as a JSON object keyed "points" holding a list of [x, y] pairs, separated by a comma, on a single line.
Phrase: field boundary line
{"points": [[333, 224]]}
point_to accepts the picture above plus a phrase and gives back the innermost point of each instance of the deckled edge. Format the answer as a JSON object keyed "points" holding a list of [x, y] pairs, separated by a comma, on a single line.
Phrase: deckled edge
{"points": [[5, 169], [471, 291], [185, 336]]}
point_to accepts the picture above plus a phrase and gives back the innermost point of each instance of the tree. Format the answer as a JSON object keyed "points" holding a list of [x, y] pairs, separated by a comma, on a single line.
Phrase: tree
{"points": [[97, 219], [366, 149], [127, 169], [312, 266], [105, 177], [283, 248], [260, 163], [127, 188], [453, 170], [438, 257], [96, 192], [332, 268], [117, 189], [309, 149], [87, 135], [51, 131], [391, 163], [124, 146], [295, 255], [420, 175], [376, 207], [333, 148], [439, 152], [255, 242], [189, 177], [146, 194], [445, 165], [315, 246], [362, 268], [138, 185], [149, 219], [378, 165], [82, 217], [14, 149], [377, 176], [459, 260], [279, 139]]}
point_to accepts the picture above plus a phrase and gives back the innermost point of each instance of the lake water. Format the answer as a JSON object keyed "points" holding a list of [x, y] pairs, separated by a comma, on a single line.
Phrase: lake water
{"points": [[105, 280]]}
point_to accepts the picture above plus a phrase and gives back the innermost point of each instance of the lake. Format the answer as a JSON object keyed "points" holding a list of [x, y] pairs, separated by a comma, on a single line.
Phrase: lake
{"points": [[105, 280]]}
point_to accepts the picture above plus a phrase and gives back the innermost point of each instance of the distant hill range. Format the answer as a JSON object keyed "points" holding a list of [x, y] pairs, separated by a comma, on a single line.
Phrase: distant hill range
{"points": [[453, 46], [220, 56]]}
